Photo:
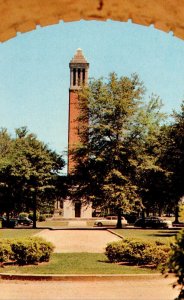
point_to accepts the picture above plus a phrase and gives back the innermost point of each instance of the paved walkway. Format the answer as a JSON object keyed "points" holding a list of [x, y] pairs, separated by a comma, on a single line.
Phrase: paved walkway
{"points": [[131, 289], [92, 241], [126, 288], [77, 224]]}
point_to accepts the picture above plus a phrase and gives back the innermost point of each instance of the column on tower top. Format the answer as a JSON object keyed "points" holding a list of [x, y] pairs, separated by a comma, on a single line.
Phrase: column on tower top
{"points": [[78, 70]]}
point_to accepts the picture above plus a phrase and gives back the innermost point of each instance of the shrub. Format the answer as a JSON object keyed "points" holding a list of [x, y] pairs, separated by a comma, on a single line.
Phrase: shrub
{"points": [[156, 254], [61, 212], [176, 261], [23, 215], [31, 251], [6, 253], [25, 251], [137, 252], [48, 215], [46, 249], [42, 218], [31, 216], [181, 212]]}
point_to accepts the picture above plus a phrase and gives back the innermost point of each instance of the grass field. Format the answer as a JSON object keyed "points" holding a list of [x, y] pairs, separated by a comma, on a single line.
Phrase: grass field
{"points": [[17, 233], [148, 234], [85, 263], [52, 223], [77, 263]]}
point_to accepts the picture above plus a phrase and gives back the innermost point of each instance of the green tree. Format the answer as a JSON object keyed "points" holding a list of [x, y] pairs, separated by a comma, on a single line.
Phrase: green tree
{"points": [[173, 158], [115, 132], [30, 170], [6, 189], [145, 141], [176, 262]]}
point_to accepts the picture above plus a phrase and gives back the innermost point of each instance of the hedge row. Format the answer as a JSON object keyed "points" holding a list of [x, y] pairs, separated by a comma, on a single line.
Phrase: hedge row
{"points": [[6, 253], [176, 262], [138, 252], [39, 217], [25, 251]]}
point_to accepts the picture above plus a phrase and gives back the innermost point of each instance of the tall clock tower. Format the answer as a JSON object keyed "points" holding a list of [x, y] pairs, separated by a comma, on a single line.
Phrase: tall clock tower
{"points": [[78, 77]]}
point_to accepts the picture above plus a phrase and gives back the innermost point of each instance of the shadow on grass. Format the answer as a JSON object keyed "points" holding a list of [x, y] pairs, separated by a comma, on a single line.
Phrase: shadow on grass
{"points": [[129, 264], [104, 261], [165, 233]]}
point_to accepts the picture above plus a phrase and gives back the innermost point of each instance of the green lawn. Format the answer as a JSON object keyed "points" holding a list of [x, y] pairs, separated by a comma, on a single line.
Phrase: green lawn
{"points": [[77, 263], [52, 223], [60, 223], [149, 234], [17, 233], [85, 263]]}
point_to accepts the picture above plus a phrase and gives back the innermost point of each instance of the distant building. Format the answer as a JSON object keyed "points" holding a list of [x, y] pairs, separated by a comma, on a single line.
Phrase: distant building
{"points": [[78, 77]]}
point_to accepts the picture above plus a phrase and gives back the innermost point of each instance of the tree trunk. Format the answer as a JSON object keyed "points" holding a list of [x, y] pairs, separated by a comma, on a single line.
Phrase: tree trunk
{"points": [[119, 224], [8, 217], [176, 221], [160, 212], [143, 214], [34, 209]]}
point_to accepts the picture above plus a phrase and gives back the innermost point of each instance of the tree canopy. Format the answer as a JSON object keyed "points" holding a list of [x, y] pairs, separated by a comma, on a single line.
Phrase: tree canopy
{"points": [[172, 157], [118, 142], [27, 170]]}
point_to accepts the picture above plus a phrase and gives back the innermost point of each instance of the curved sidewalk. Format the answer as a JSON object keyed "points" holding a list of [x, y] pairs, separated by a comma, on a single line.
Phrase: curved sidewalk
{"points": [[85, 287], [78, 240]]}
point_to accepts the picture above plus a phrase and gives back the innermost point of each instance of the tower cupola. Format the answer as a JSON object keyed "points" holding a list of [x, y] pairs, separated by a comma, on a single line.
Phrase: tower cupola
{"points": [[78, 70]]}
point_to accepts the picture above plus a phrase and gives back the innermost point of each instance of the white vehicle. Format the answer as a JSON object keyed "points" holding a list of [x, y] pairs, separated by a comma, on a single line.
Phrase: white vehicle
{"points": [[110, 221]]}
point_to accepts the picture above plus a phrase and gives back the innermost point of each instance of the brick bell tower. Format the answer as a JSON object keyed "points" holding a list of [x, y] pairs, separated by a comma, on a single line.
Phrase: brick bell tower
{"points": [[78, 77]]}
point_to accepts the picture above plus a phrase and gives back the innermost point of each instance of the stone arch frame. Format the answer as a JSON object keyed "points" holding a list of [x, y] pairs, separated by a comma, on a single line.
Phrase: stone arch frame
{"points": [[22, 16]]}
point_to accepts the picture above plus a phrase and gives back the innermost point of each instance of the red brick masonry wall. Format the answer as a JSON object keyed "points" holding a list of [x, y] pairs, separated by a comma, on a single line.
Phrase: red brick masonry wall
{"points": [[73, 137]]}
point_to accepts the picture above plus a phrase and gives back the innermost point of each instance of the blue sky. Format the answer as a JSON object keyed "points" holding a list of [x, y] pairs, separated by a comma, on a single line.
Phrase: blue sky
{"points": [[34, 71]]}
